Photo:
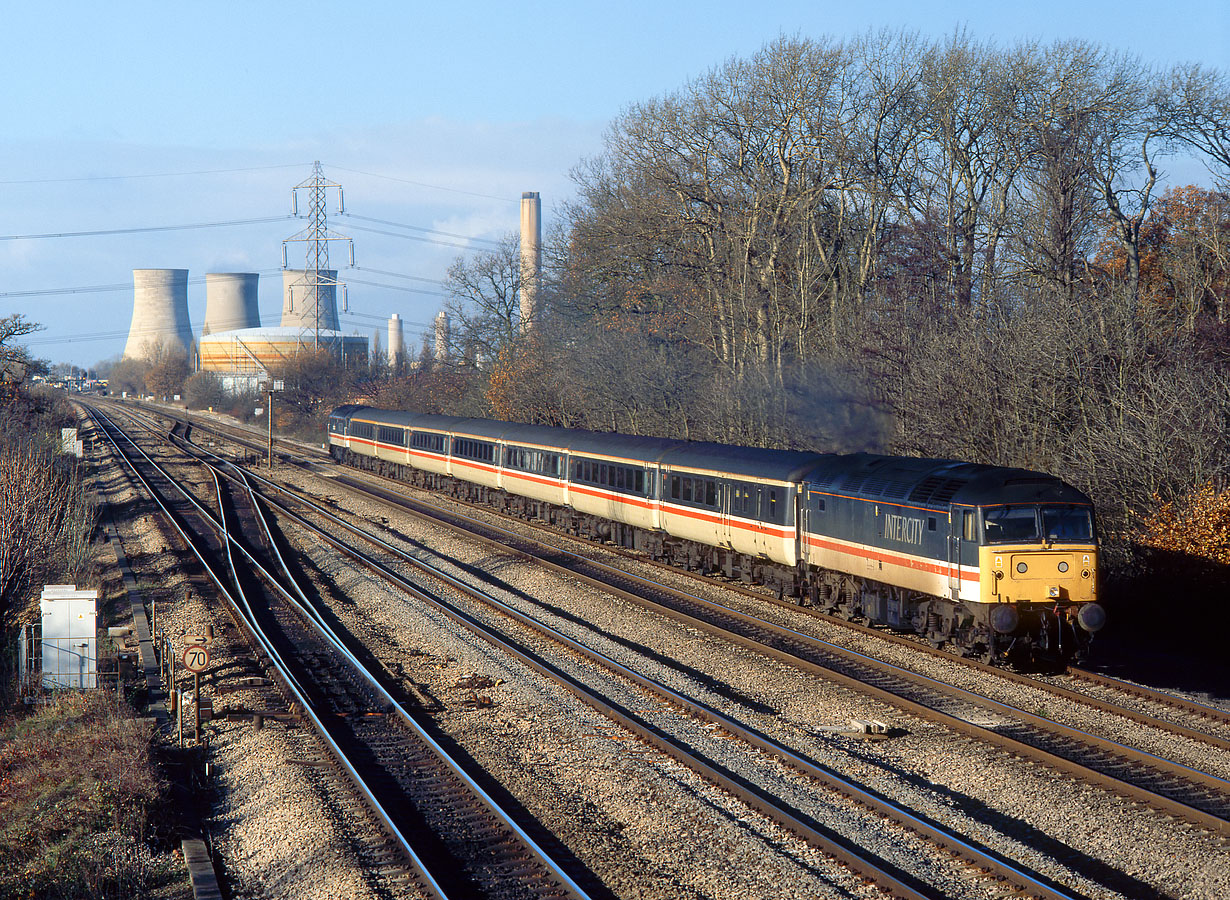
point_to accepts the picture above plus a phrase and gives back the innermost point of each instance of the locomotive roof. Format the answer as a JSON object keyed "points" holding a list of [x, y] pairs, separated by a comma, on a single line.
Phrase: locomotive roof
{"points": [[938, 482], [344, 412]]}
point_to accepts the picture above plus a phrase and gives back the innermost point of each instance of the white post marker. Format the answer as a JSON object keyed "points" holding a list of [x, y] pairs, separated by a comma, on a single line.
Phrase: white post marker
{"points": [[196, 661]]}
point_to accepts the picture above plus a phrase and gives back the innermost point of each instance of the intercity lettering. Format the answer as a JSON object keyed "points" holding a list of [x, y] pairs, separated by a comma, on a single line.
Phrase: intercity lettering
{"points": [[906, 529]]}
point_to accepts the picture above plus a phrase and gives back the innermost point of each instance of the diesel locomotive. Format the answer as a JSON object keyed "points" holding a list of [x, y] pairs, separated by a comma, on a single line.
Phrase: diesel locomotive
{"points": [[997, 563]]}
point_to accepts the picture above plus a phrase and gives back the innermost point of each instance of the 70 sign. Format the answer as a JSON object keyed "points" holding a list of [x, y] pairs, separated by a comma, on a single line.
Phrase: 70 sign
{"points": [[196, 658]]}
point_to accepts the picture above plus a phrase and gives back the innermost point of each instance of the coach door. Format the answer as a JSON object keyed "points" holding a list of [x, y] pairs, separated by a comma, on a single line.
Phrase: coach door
{"points": [[962, 545], [954, 552], [726, 496]]}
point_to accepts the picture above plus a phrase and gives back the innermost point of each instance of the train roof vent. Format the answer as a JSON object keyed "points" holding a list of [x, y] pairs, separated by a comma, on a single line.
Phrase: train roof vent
{"points": [[875, 485], [936, 489], [854, 482], [896, 490], [947, 490], [825, 479]]}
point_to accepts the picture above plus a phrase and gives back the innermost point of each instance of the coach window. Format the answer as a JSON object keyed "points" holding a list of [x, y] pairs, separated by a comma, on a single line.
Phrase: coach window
{"points": [[674, 487], [773, 505], [640, 481], [711, 493], [685, 492]]}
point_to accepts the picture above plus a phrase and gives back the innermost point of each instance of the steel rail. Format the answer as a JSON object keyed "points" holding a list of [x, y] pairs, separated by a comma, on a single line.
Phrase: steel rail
{"points": [[979, 733], [1211, 713], [373, 802], [389, 702], [940, 836], [1134, 791]]}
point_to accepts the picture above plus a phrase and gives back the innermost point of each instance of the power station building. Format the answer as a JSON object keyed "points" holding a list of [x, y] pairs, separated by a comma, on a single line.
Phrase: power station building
{"points": [[233, 345], [243, 359], [237, 348]]}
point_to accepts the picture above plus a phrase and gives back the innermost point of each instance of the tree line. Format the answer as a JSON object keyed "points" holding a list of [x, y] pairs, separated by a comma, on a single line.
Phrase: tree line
{"points": [[939, 248], [945, 248]]}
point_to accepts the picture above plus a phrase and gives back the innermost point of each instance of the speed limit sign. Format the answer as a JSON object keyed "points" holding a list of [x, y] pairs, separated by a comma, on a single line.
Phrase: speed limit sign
{"points": [[196, 658]]}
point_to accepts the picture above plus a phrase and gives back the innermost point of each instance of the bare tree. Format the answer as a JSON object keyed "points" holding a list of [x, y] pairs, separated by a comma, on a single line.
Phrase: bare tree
{"points": [[1131, 125], [45, 520], [1197, 105], [483, 302], [168, 369]]}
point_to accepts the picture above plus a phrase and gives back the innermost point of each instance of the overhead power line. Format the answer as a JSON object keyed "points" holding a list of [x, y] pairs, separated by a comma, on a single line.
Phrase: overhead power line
{"points": [[464, 237], [396, 287], [102, 288], [148, 228], [380, 318], [411, 237], [151, 174], [398, 275]]}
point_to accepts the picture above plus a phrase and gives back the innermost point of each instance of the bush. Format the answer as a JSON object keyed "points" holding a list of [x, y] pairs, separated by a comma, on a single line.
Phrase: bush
{"points": [[77, 788], [1196, 524], [203, 390]]}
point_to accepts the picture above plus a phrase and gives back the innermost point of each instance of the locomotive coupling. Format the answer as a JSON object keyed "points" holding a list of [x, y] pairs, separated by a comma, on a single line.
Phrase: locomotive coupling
{"points": [[1091, 617]]}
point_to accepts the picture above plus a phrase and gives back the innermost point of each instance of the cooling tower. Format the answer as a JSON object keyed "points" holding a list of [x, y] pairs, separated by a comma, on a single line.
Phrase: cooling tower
{"points": [[159, 313], [298, 310], [230, 302], [397, 344], [443, 335], [531, 257]]}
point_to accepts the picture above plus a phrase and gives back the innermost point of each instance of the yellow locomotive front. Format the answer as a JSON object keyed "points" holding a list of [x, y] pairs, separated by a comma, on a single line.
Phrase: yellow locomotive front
{"points": [[1038, 575]]}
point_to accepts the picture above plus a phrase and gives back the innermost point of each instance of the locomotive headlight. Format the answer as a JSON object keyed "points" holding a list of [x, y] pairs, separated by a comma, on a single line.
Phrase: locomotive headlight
{"points": [[1063, 567], [1022, 568]]}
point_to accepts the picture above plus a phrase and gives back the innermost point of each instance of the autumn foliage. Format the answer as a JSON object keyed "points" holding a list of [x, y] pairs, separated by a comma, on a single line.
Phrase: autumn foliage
{"points": [[1184, 258], [1195, 525]]}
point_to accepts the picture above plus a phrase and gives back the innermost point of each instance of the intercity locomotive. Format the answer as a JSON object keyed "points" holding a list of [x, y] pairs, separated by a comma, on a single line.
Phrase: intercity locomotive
{"points": [[994, 562]]}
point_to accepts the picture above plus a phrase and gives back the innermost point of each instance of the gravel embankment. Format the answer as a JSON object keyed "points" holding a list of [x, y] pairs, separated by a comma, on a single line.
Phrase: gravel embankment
{"points": [[1025, 811], [284, 830]]}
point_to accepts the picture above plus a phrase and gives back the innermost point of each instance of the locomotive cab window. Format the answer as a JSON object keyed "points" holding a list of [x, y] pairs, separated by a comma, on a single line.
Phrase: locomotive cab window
{"points": [[968, 531], [1067, 523], [1005, 524]]}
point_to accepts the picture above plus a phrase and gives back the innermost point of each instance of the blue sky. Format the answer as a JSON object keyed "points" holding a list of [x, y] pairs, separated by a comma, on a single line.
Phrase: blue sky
{"points": [[431, 116]]}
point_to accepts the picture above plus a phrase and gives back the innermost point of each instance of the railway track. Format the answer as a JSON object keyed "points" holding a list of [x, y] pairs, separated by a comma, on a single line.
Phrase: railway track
{"points": [[892, 878], [1180, 791], [1204, 715], [424, 798]]}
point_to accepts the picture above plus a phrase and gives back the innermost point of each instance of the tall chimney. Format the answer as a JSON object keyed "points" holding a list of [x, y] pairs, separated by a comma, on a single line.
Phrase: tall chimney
{"points": [[531, 257], [396, 344], [443, 335]]}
